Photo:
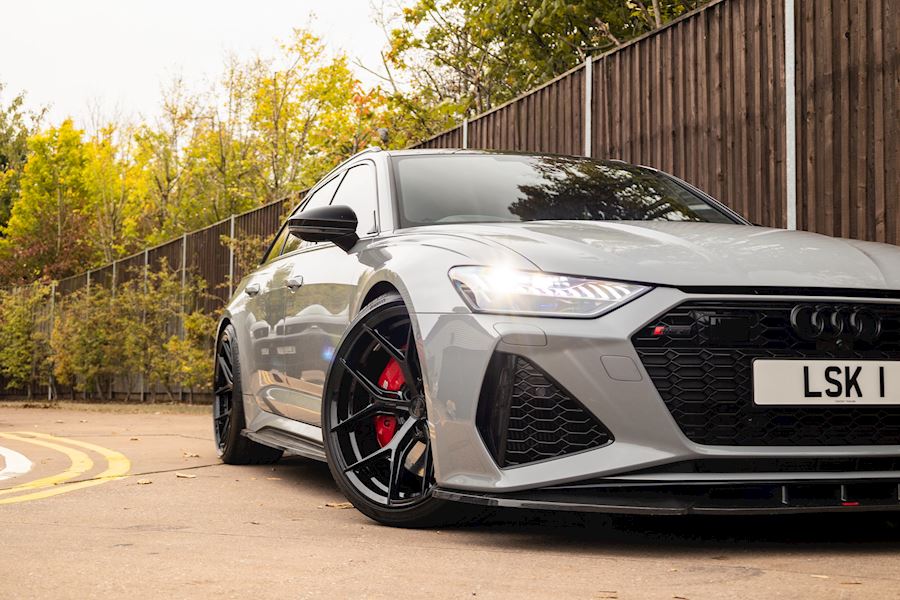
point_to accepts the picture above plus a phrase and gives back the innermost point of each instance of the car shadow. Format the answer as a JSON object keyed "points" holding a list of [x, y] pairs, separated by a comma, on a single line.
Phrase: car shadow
{"points": [[716, 537], [711, 536]]}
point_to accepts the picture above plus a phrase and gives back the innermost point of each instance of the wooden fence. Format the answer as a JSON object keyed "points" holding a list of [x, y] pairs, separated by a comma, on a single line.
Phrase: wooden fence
{"points": [[703, 98]]}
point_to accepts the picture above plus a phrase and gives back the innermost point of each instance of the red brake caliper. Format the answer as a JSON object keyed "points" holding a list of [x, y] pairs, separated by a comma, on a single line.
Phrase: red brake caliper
{"points": [[391, 379]]}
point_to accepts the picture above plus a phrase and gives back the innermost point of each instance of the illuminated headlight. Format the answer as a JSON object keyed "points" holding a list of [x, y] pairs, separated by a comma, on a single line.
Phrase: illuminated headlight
{"points": [[506, 291]]}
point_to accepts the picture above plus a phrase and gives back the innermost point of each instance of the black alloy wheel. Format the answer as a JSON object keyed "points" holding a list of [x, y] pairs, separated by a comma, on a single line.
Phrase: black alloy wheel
{"points": [[228, 408], [375, 421]]}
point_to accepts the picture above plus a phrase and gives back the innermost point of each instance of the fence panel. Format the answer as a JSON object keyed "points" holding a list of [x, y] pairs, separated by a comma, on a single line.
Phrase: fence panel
{"points": [[848, 84], [168, 254], [209, 258], [129, 268], [549, 119], [71, 284], [704, 100], [448, 139]]}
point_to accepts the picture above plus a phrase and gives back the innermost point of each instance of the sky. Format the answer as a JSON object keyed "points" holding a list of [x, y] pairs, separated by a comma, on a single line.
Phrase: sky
{"points": [[71, 55]]}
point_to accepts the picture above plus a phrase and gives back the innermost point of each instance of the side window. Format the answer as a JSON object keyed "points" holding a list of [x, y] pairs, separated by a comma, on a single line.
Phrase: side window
{"points": [[321, 197], [358, 191], [277, 245]]}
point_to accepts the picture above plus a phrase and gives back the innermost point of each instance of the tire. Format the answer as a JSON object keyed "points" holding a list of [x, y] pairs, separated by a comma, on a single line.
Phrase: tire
{"points": [[390, 483], [228, 409]]}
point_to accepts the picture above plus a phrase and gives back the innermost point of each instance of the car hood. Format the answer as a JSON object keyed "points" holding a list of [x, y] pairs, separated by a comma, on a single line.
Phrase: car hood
{"points": [[694, 254]]}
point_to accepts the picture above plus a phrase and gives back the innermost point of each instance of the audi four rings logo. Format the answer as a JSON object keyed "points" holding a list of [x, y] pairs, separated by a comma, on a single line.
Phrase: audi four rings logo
{"points": [[812, 322]]}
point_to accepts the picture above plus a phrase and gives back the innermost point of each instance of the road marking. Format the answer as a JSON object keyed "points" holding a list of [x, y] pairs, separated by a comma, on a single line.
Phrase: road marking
{"points": [[15, 464], [117, 467], [80, 463]]}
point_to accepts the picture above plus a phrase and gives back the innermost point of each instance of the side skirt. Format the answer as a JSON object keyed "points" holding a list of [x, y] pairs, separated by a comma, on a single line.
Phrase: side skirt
{"points": [[278, 438]]}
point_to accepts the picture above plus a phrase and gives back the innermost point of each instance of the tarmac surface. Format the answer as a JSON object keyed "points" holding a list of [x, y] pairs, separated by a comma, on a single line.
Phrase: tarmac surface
{"points": [[182, 525]]}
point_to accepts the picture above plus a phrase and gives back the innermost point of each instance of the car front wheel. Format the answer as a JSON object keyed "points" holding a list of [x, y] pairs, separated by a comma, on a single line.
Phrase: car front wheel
{"points": [[375, 422]]}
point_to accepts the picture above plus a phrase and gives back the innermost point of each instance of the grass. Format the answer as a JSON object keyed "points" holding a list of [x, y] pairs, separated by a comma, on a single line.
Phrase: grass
{"points": [[113, 407]]}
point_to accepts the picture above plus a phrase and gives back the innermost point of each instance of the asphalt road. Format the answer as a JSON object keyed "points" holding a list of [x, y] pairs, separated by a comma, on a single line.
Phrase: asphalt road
{"points": [[181, 525]]}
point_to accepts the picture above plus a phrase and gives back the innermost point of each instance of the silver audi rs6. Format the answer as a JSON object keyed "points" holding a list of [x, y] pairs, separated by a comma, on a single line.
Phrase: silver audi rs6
{"points": [[458, 328]]}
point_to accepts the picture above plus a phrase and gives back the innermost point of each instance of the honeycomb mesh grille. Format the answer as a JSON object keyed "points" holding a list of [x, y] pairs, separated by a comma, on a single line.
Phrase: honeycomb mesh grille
{"points": [[542, 421], [707, 383]]}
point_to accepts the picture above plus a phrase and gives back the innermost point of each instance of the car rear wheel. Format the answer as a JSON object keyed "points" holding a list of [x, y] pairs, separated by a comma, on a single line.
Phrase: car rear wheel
{"points": [[375, 422], [228, 408]]}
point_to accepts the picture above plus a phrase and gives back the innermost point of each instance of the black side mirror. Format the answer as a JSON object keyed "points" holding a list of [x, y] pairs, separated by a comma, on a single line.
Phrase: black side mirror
{"points": [[326, 224]]}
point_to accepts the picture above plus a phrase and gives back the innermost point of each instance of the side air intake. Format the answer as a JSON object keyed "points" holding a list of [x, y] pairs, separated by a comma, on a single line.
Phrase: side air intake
{"points": [[524, 416]]}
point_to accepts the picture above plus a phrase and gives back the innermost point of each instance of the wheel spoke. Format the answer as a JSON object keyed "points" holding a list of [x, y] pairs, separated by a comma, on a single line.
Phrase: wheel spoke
{"points": [[384, 399], [401, 444], [227, 351], [369, 459], [226, 370], [402, 357], [369, 411], [390, 348], [426, 467]]}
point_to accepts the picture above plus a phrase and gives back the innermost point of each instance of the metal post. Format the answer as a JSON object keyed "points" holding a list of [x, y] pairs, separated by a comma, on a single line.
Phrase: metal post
{"points": [[790, 113], [465, 132], [588, 107], [144, 316], [183, 284], [231, 259], [88, 281], [112, 285], [52, 323]]}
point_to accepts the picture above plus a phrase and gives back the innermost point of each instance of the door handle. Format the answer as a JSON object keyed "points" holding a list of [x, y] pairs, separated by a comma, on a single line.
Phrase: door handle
{"points": [[293, 282], [252, 289]]}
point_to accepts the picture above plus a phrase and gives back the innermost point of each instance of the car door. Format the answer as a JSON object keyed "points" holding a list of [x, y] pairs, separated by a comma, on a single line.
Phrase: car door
{"points": [[317, 311], [264, 310], [280, 348]]}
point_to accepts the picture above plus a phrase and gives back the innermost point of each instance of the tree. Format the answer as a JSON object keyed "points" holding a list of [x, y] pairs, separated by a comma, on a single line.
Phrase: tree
{"points": [[477, 54], [48, 233], [24, 351], [116, 187], [160, 154], [87, 342], [16, 125]]}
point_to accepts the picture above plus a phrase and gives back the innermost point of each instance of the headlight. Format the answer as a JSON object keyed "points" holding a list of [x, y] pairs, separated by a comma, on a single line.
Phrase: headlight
{"points": [[506, 291]]}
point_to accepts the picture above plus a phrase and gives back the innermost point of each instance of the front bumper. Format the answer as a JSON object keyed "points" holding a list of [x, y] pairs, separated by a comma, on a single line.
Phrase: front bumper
{"points": [[757, 498], [596, 362]]}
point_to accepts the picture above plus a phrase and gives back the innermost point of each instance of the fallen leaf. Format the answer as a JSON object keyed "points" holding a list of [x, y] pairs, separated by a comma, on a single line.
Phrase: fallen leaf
{"points": [[254, 522], [134, 439], [851, 583], [820, 576], [338, 505], [83, 421], [274, 478], [190, 455], [185, 476], [144, 482], [58, 421], [679, 597]]}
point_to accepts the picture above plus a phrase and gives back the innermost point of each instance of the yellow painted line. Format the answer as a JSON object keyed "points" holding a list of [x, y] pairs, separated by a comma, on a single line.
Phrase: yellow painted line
{"points": [[117, 467], [80, 464]]}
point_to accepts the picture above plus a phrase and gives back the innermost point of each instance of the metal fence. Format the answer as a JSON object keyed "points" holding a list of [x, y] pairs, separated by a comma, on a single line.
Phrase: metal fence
{"points": [[707, 98]]}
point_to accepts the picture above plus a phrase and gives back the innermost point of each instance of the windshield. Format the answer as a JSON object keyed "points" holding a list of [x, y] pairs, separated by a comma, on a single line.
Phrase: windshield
{"points": [[478, 188]]}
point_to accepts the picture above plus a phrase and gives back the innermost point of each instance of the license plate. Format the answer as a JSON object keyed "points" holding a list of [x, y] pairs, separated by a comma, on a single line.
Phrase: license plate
{"points": [[825, 382]]}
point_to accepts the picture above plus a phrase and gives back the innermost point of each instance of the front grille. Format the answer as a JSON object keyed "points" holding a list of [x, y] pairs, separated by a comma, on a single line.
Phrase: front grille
{"points": [[524, 416], [704, 375]]}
